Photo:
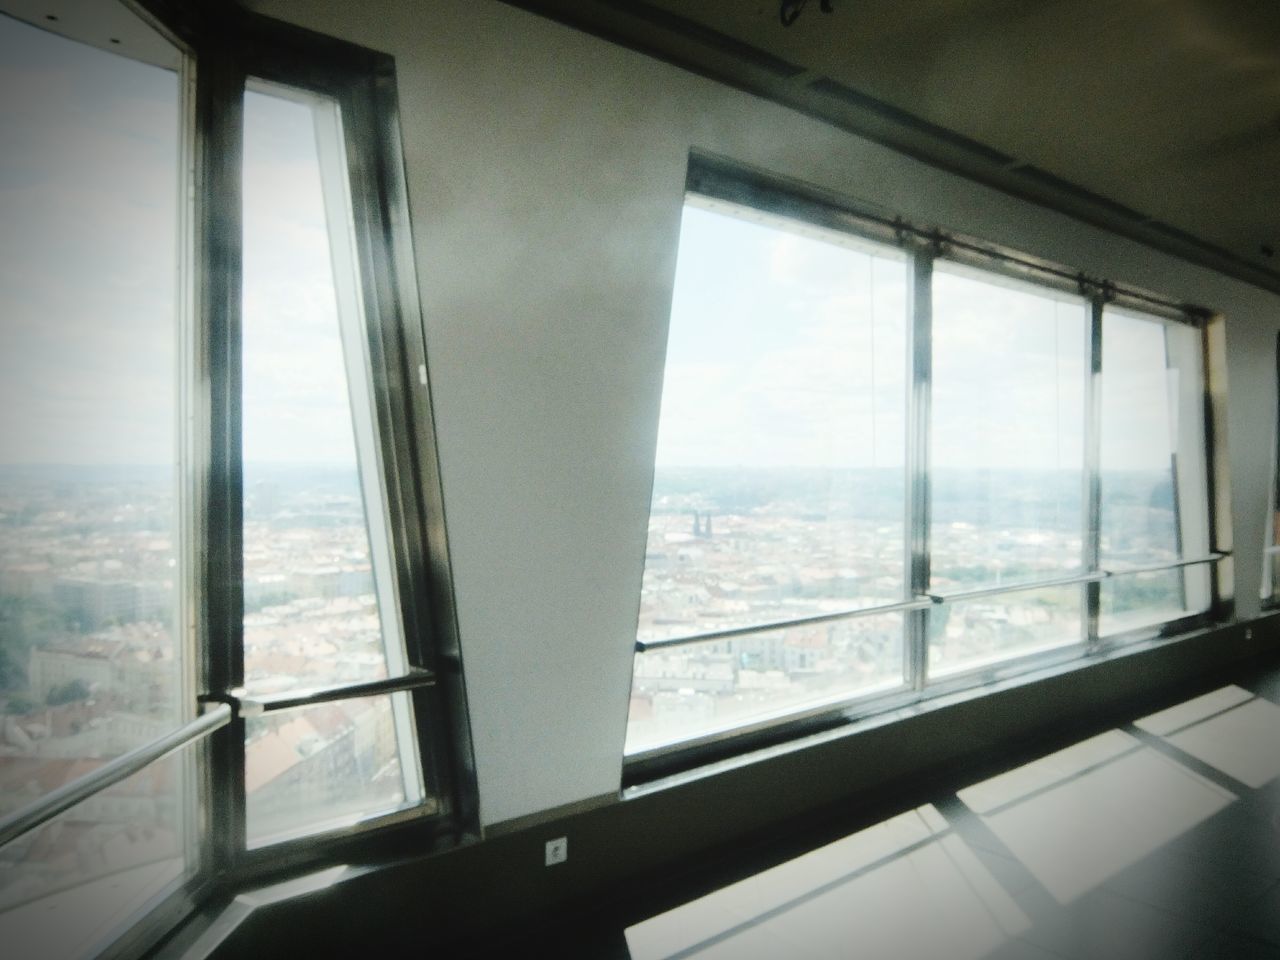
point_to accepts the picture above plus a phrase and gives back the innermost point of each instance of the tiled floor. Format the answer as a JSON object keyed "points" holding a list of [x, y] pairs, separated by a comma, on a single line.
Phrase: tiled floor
{"points": [[1157, 839]]}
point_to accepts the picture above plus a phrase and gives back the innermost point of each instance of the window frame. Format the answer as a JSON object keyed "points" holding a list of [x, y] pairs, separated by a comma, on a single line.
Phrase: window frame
{"points": [[716, 178], [362, 85]]}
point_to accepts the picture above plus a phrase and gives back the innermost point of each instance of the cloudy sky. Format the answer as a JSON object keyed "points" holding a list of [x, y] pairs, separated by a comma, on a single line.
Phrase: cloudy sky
{"points": [[784, 349], [88, 266], [296, 406], [88, 213], [791, 350]]}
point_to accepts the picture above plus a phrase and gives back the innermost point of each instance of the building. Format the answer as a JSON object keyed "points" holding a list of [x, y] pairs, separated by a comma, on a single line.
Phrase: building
{"points": [[538, 156]]}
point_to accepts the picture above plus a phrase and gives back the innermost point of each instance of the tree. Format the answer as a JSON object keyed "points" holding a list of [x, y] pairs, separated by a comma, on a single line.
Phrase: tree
{"points": [[69, 692], [19, 706]]}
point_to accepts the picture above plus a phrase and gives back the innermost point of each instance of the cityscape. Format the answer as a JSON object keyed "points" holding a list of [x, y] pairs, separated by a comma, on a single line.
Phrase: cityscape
{"points": [[90, 667], [729, 549]]}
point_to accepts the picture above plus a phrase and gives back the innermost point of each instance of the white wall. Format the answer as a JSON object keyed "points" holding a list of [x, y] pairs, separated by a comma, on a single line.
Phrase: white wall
{"points": [[546, 172]]}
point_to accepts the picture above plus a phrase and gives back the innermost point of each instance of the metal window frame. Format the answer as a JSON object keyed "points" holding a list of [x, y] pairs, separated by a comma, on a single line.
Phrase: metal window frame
{"points": [[718, 179], [362, 84]]}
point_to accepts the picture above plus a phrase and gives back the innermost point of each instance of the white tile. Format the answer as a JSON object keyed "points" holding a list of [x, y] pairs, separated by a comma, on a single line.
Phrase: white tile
{"points": [[720, 912], [936, 902], [1015, 784], [1184, 714], [1085, 830], [1243, 743]]}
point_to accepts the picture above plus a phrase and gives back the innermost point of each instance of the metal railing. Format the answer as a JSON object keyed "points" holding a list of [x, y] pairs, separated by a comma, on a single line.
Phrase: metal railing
{"points": [[1174, 565], [248, 704], [67, 796], [926, 601], [920, 603], [1004, 588], [218, 713]]}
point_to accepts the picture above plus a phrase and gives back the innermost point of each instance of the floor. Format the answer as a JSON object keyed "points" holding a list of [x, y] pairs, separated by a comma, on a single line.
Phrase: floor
{"points": [[1158, 838]]}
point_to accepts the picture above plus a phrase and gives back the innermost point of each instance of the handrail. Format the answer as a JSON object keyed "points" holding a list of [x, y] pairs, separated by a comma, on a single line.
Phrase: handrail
{"points": [[252, 705], [920, 603], [1093, 577], [1174, 565], [121, 768]]}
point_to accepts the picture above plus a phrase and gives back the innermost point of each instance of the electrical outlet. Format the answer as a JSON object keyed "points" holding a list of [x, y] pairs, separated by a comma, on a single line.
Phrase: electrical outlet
{"points": [[557, 851]]}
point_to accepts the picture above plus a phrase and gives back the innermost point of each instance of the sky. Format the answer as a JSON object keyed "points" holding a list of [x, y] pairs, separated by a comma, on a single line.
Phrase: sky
{"points": [[88, 229], [296, 402], [88, 266], [784, 349], [790, 350]]}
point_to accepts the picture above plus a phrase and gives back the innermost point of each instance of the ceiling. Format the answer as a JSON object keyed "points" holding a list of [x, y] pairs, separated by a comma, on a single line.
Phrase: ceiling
{"points": [[1157, 118]]}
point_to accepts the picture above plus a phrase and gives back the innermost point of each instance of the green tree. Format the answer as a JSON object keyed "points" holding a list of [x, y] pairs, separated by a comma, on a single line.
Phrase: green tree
{"points": [[69, 692]]}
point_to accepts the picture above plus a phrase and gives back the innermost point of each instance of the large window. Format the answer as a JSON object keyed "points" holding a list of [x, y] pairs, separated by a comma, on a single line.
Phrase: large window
{"points": [[891, 465], [218, 635], [779, 492]]}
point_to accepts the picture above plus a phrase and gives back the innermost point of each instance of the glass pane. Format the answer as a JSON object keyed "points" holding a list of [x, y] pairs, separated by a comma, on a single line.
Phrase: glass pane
{"points": [[965, 636], [1154, 489], [71, 885], [1010, 364], [314, 542], [326, 766], [320, 600], [1140, 600], [1270, 566], [90, 662], [779, 479], [687, 691]]}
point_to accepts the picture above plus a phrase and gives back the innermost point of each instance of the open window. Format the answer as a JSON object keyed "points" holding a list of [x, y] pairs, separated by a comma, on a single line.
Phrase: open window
{"points": [[226, 631]]}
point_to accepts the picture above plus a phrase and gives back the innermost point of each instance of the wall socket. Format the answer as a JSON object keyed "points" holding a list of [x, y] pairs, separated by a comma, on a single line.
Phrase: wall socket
{"points": [[557, 851]]}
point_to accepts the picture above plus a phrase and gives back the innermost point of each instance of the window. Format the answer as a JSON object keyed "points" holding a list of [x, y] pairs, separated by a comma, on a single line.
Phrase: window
{"points": [[779, 492], [95, 660], [320, 596], [1271, 546], [218, 634], [892, 464], [1007, 472], [1153, 470]]}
